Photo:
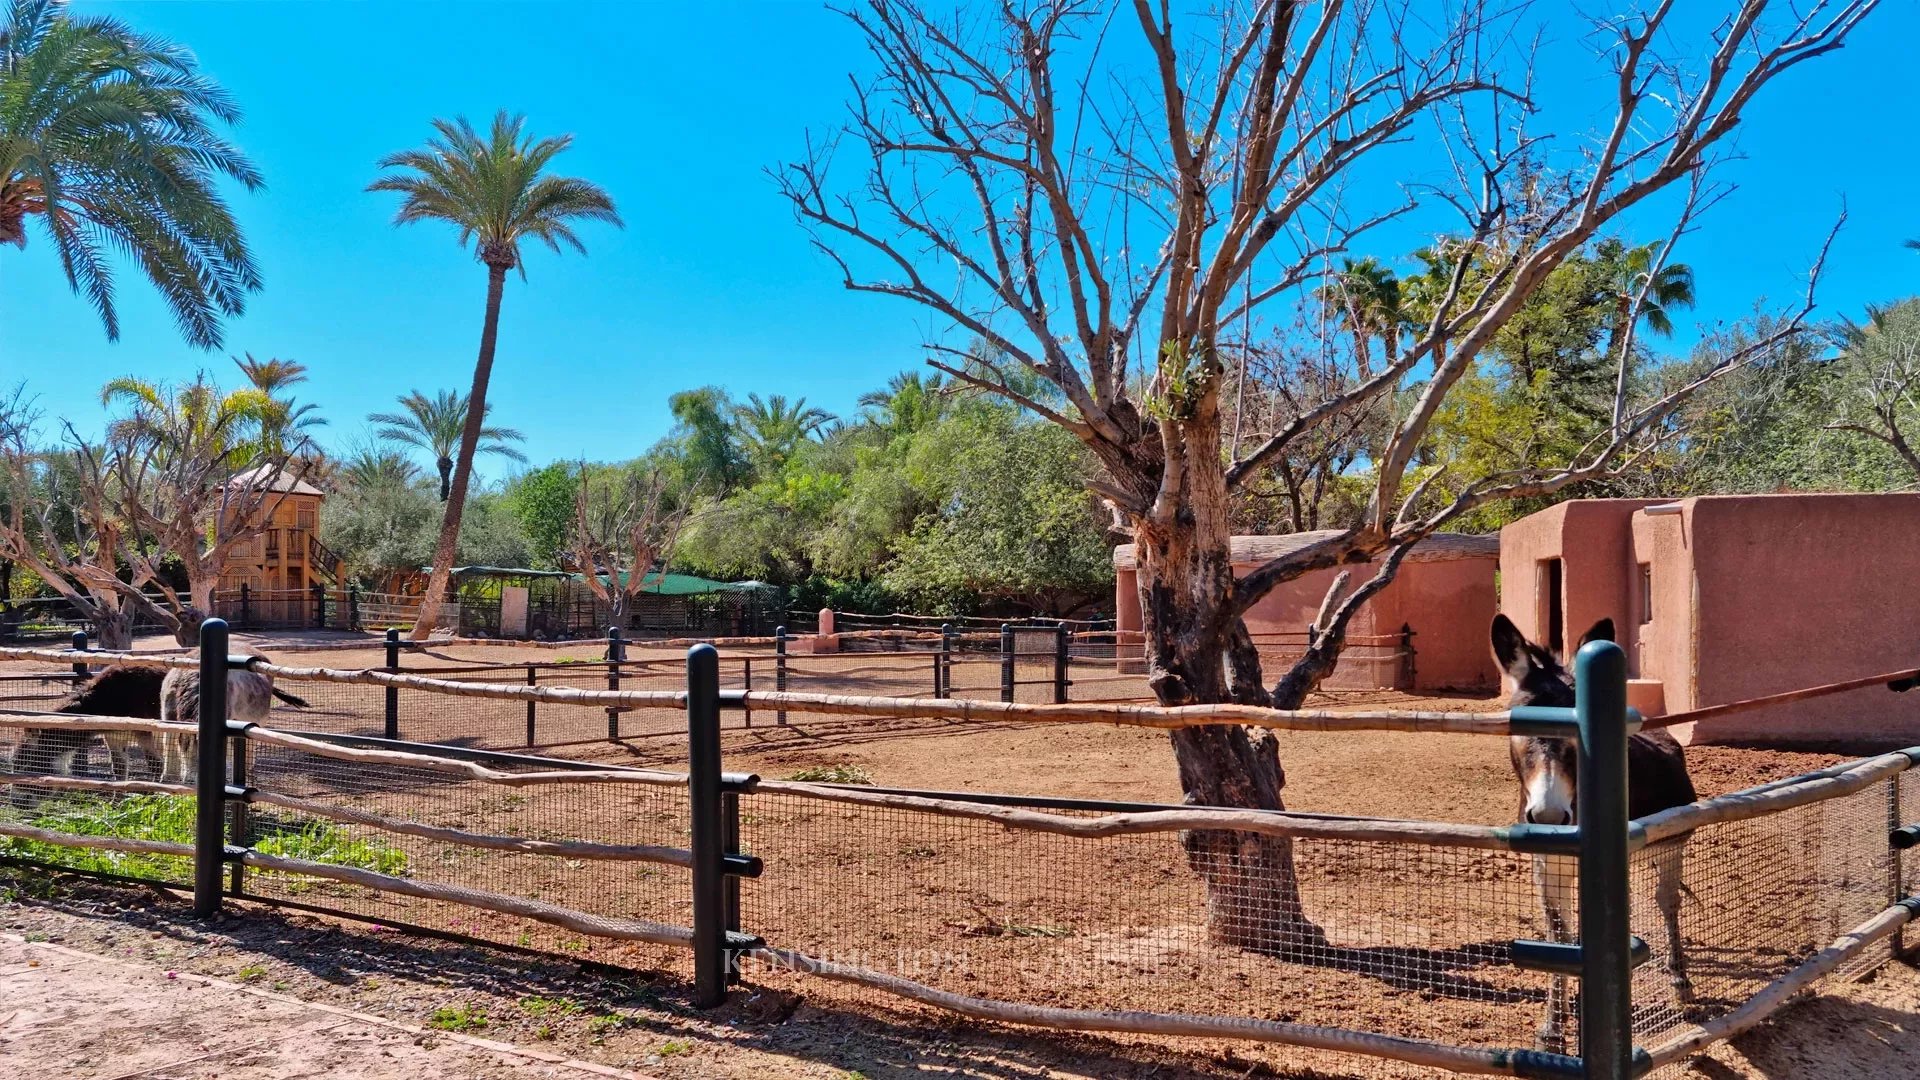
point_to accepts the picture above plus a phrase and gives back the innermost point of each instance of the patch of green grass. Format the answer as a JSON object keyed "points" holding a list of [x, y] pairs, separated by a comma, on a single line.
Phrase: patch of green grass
{"points": [[170, 818], [841, 773], [458, 1018], [606, 1022], [675, 1047], [250, 972], [546, 1006]]}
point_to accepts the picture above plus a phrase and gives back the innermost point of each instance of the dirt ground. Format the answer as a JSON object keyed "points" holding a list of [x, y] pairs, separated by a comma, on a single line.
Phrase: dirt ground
{"points": [[1118, 924], [641, 1021]]}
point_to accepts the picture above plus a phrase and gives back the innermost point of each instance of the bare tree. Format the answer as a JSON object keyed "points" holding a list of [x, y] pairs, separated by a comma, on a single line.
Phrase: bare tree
{"points": [[1101, 223], [61, 529], [618, 534], [99, 523], [1874, 384]]}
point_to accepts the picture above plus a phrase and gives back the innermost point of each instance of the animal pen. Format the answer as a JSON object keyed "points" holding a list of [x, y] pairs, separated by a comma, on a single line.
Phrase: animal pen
{"points": [[1417, 941]]}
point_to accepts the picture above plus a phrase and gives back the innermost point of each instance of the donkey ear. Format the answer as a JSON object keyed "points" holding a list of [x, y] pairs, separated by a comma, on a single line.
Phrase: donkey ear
{"points": [[1511, 650], [1600, 631]]}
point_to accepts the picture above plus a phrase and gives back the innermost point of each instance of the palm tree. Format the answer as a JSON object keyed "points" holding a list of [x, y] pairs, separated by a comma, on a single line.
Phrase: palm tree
{"points": [[285, 417], [770, 429], [435, 424], [195, 417], [107, 138], [1629, 270], [910, 402], [491, 189], [1366, 296], [368, 468]]}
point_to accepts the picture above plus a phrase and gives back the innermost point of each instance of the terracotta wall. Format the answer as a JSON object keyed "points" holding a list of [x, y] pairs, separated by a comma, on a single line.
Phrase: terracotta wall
{"points": [[1447, 602], [1799, 590], [1661, 648], [1593, 539]]}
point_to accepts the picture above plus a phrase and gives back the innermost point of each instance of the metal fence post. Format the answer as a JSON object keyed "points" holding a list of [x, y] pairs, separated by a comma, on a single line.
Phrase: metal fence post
{"points": [[246, 604], [393, 692], [943, 663], [1006, 662], [730, 883], [210, 788], [80, 669], [708, 827], [319, 606], [532, 678], [1062, 662], [1606, 935], [780, 670], [746, 683], [353, 606], [616, 652]]}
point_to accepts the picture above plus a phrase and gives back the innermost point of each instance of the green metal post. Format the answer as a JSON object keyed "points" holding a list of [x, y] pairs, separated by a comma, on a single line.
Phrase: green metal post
{"points": [[80, 670], [1606, 936], [709, 832], [392, 727], [209, 833], [1006, 662], [780, 670], [616, 652]]}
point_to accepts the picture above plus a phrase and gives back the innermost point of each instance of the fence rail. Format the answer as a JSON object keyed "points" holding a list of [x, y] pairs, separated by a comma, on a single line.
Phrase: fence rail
{"points": [[1795, 880]]}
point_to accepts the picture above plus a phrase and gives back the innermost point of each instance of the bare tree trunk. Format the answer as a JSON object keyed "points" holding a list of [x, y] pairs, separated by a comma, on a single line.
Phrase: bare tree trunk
{"points": [[1199, 652], [113, 630], [443, 552]]}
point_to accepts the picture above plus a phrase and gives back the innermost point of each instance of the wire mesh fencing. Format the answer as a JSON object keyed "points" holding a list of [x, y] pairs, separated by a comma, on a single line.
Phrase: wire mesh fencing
{"points": [[99, 815], [611, 814], [1402, 940]]}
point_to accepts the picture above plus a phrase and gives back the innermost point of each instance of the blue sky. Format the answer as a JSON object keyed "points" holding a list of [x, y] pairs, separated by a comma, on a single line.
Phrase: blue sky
{"points": [[677, 109]]}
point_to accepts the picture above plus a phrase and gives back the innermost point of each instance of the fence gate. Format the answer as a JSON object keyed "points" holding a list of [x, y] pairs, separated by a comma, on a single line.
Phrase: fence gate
{"points": [[1033, 664]]}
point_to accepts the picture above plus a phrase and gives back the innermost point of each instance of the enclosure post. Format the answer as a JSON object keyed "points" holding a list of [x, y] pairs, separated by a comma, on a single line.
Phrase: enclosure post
{"points": [[210, 788], [319, 606], [616, 652], [945, 669], [392, 730], [780, 670], [1062, 654], [1006, 662], [746, 683], [353, 606], [707, 826], [246, 604], [1606, 975], [80, 672], [532, 678]]}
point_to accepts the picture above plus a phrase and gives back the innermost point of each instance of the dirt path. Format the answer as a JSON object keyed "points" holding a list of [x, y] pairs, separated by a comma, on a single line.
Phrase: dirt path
{"points": [[72, 1014]]}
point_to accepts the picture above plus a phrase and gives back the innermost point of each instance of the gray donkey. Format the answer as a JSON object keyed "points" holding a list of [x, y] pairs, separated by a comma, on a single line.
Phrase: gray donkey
{"points": [[1547, 769]]}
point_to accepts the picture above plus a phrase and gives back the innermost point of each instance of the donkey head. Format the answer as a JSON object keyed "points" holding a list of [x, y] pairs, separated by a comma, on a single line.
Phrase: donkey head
{"points": [[1545, 767]]}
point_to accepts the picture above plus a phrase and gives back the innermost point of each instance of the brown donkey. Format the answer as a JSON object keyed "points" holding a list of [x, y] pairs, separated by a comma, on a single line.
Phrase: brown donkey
{"points": [[1546, 768]]}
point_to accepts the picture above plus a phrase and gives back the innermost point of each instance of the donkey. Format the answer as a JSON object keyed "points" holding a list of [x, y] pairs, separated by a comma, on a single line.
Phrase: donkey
{"points": [[117, 691], [1546, 768], [250, 696], [144, 694]]}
